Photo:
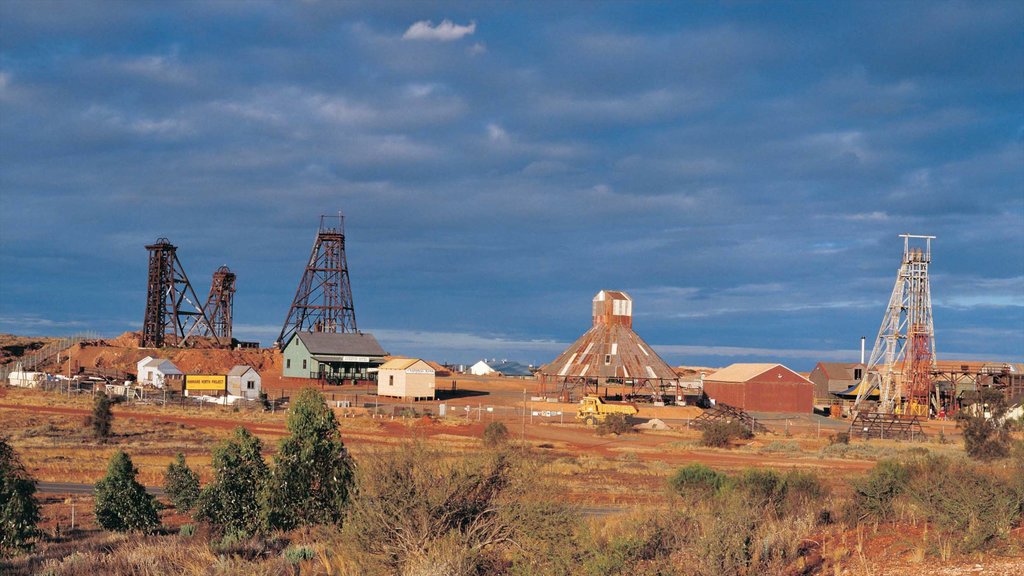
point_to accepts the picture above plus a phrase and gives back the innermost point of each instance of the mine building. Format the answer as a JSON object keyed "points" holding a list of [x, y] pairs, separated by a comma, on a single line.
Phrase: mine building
{"points": [[158, 372], [332, 358], [407, 378], [244, 381], [761, 388], [609, 355], [834, 377]]}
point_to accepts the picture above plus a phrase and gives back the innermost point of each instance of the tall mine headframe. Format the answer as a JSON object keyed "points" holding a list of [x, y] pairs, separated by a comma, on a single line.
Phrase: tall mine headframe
{"points": [[220, 304], [902, 364], [173, 314], [323, 300]]}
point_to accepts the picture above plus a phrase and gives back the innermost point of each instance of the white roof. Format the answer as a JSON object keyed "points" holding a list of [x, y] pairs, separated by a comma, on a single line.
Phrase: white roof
{"points": [[240, 370]]}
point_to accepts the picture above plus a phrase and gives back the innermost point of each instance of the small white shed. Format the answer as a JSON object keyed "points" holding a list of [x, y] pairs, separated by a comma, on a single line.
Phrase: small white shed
{"points": [[156, 371], [406, 378], [244, 381]]}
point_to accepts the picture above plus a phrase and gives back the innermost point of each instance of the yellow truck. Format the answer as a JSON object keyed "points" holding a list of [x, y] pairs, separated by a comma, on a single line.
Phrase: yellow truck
{"points": [[593, 409]]}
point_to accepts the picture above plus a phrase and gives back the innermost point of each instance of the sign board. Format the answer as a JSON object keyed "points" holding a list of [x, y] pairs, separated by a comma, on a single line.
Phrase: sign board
{"points": [[419, 371], [363, 359], [205, 382]]}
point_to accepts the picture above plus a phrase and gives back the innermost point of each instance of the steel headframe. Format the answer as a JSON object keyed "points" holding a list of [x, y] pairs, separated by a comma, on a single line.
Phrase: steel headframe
{"points": [[908, 318], [323, 300], [167, 320], [220, 305]]}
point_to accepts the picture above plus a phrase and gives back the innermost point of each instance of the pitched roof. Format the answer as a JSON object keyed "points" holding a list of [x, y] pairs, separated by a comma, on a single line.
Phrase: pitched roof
{"points": [[510, 368], [740, 372], [400, 364], [609, 351], [240, 370], [839, 370], [349, 343]]}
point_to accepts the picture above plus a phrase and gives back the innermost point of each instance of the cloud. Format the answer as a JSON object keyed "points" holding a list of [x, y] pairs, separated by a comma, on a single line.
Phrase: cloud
{"points": [[446, 31]]}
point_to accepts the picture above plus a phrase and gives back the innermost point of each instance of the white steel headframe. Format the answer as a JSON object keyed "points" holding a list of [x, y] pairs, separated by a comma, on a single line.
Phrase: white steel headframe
{"points": [[909, 310]]}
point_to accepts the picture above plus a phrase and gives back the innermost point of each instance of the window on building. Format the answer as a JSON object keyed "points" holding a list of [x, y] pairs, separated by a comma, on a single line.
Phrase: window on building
{"points": [[288, 363], [250, 385], [303, 364], [607, 359], [391, 380], [857, 373]]}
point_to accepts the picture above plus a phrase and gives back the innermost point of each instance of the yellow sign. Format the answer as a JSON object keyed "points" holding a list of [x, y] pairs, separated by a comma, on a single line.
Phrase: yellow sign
{"points": [[205, 382]]}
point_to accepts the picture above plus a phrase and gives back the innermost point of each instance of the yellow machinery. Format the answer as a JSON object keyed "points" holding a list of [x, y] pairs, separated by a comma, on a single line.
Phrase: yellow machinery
{"points": [[593, 409]]}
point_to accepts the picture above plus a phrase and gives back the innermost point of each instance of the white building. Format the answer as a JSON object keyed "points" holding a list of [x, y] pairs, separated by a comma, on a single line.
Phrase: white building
{"points": [[156, 371], [244, 381], [406, 378], [481, 368]]}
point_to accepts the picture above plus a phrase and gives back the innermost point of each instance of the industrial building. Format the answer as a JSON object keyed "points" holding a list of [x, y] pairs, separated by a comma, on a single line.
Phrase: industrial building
{"points": [[332, 357], [245, 381], [500, 368], [761, 388], [834, 377], [610, 353], [408, 378]]}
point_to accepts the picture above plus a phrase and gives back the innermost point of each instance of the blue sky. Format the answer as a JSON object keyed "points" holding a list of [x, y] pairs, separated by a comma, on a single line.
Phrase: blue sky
{"points": [[741, 169]]}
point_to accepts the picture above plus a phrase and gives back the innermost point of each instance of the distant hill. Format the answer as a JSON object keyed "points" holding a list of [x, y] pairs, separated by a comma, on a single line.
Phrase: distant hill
{"points": [[13, 347]]}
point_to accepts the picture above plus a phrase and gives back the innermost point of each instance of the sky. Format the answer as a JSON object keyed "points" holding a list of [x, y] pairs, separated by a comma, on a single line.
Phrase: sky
{"points": [[741, 169]]}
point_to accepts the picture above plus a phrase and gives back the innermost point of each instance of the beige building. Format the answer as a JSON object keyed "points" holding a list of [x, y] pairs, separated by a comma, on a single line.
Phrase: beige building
{"points": [[406, 378], [244, 381]]}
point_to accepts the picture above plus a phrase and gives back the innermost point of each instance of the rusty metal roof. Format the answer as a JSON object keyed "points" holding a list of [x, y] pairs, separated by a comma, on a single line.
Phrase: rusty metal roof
{"points": [[610, 351]]}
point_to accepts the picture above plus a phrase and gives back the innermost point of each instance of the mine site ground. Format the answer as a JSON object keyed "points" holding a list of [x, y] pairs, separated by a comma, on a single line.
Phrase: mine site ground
{"points": [[604, 475]]}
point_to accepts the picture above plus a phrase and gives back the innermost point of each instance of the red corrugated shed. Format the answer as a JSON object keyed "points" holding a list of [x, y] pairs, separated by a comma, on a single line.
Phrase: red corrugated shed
{"points": [[761, 388]]}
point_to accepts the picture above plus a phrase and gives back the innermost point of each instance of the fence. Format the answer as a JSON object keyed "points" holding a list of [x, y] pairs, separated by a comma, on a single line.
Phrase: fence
{"points": [[43, 355]]}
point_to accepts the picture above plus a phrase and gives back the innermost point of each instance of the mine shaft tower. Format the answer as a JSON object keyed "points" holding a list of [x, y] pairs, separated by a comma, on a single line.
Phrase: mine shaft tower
{"points": [[323, 301], [900, 371], [173, 315], [220, 305]]}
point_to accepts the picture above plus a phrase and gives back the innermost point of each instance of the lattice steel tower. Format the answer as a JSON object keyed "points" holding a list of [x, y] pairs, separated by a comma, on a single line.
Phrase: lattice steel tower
{"points": [[173, 314], [323, 301], [220, 304], [903, 358]]}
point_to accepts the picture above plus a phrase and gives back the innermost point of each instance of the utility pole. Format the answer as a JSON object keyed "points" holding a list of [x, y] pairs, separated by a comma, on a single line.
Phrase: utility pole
{"points": [[524, 420]]}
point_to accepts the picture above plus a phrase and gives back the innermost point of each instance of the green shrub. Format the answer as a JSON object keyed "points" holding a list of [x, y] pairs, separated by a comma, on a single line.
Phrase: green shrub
{"points": [[969, 502], [495, 435], [696, 478], [102, 417], [985, 438], [230, 503], [187, 530], [614, 423], [122, 504], [313, 473], [721, 434], [181, 484], [297, 554], [19, 511], [873, 496], [839, 438]]}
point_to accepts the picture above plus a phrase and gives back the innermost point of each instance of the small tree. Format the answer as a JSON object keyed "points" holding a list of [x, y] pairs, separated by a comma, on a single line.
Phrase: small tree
{"points": [[312, 474], [122, 504], [19, 511], [495, 435], [697, 478], [102, 416], [721, 434], [231, 502], [986, 437], [614, 424], [181, 484]]}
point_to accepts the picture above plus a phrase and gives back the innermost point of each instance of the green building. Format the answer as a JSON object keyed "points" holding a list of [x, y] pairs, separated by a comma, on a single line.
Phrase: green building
{"points": [[332, 357]]}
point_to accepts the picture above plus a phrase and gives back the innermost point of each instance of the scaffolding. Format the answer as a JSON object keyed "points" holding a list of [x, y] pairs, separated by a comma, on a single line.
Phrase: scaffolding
{"points": [[219, 306], [902, 360], [323, 300], [173, 314]]}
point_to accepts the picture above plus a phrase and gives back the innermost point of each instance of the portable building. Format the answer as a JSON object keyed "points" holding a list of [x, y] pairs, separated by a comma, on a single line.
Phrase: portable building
{"points": [[406, 378], [244, 381]]}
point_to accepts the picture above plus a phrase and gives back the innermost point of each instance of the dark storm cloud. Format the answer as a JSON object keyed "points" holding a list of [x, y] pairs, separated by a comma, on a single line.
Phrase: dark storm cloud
{"points": [[743, 171]]}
